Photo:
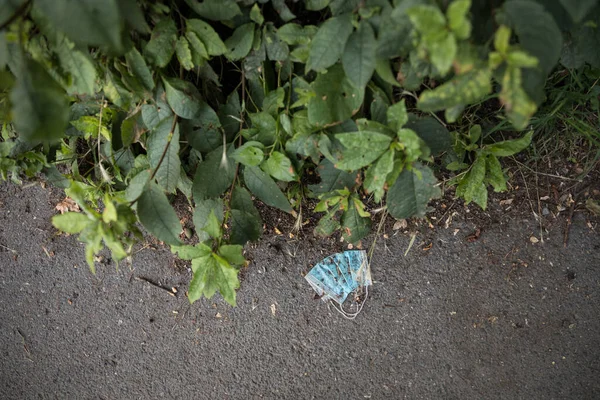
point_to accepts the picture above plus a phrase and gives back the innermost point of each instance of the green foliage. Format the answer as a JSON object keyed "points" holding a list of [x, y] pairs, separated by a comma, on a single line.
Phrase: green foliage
{"points": [[131, 102]]}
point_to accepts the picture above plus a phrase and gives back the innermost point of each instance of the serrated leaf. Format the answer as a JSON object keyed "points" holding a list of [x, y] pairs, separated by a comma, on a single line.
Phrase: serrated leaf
{"points": [[40, 109], [359, 58], [212, 176], [213, 273], [376, 175], [467, 88], [202, 212], [138, 68], [280, 167], [240, 42], [87, 22], [184, 54], [336, 98], [169, 170], [71, 222], [208, 36], [494, 175], [510, 147], [397, 116], [263, 187], [249, 154], [158, 216], [328, 223], [518, 105], [232, 253], [332, 178], [470, 185], [409, 195], [187, 252], [183, 97], [215, 10], [161, 47], [354, 226], [328, 44], [361, 148]]}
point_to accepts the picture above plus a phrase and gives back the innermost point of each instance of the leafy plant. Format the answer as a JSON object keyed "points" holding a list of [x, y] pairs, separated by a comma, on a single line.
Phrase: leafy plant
{"points": [[236, 101]]}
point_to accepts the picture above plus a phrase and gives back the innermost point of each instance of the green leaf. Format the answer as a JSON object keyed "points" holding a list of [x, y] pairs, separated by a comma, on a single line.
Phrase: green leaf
{"points": [[316, 5], [158, 216], [332, 178], [40, 108], [199, 51], [203, 132], [578, 9], [256, 15], [246, 224], [264, 126], [358, 58], [202, 212], [469, 187], [279, 167], [442, 53], [90, 127], [80, 67], [293, 34], [87, 22], [283, 10], [409, 195], [361, 148], [537, 30], [152, 115], [384, 70], [376, 175], [328, 44], [397, 116], [161, 47], [138, 67], [480, 195], [183, 97], [109, 214], [518, 105], [169, 170], [71, 222], [428, 20], [187, 252], [208, 36], [213, 226], [467, 88], [249, 154], [435, 135], [215, 10], [266, 189], [232, 253], [240, 42], [277, 49], [336, 98], [184, 54], [495, 176], [458, 20], [509, 147], [214, 175], [137, 185], [213, 273], [355, 226], [328, 224]]}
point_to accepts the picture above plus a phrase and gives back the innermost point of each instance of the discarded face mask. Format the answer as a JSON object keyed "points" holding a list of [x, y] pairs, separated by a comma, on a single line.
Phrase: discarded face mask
{"points": [[339, 275]]}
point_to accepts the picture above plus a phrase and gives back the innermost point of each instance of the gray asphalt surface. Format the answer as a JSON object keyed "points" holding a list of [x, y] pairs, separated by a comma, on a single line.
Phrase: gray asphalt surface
{"points": [[497, 318]]}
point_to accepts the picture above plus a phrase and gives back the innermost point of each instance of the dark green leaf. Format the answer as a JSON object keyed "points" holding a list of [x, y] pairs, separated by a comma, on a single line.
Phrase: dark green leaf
{"points": [[336, 99], [240, 42], [139, 69], [202, 212], [277, 49], [332, 178], [283, 10], [266, 189], [409, 195], [246, 224], [158, 216], [40, 107], [169, 170], [214, 175], [86, 22], [71, 222], [137, 185], [216, 10], [578, 9], [435, 135], [361, 148], [80, 67], [183, 97], [208, 36], [203, 132], [161, 46], [328, 44], [359, 55], [354, 226], [316, 5]]}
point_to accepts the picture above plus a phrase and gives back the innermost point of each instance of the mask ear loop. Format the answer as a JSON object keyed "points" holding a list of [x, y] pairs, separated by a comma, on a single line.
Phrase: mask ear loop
{"points": [[365, 275]]}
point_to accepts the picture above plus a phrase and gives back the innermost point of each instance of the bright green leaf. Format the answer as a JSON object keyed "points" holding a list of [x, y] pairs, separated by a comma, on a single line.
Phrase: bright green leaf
{"points": [[256, 15], [518, 105], [509, 147], [462, 89], [184, 54], [213, 226], [279, 167], [458, 20], [213, 273], [81, 68], [361, 148], [232, 253], [397, 116], [354, 226], [249, 154], [187, 252], [71, 222]]}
